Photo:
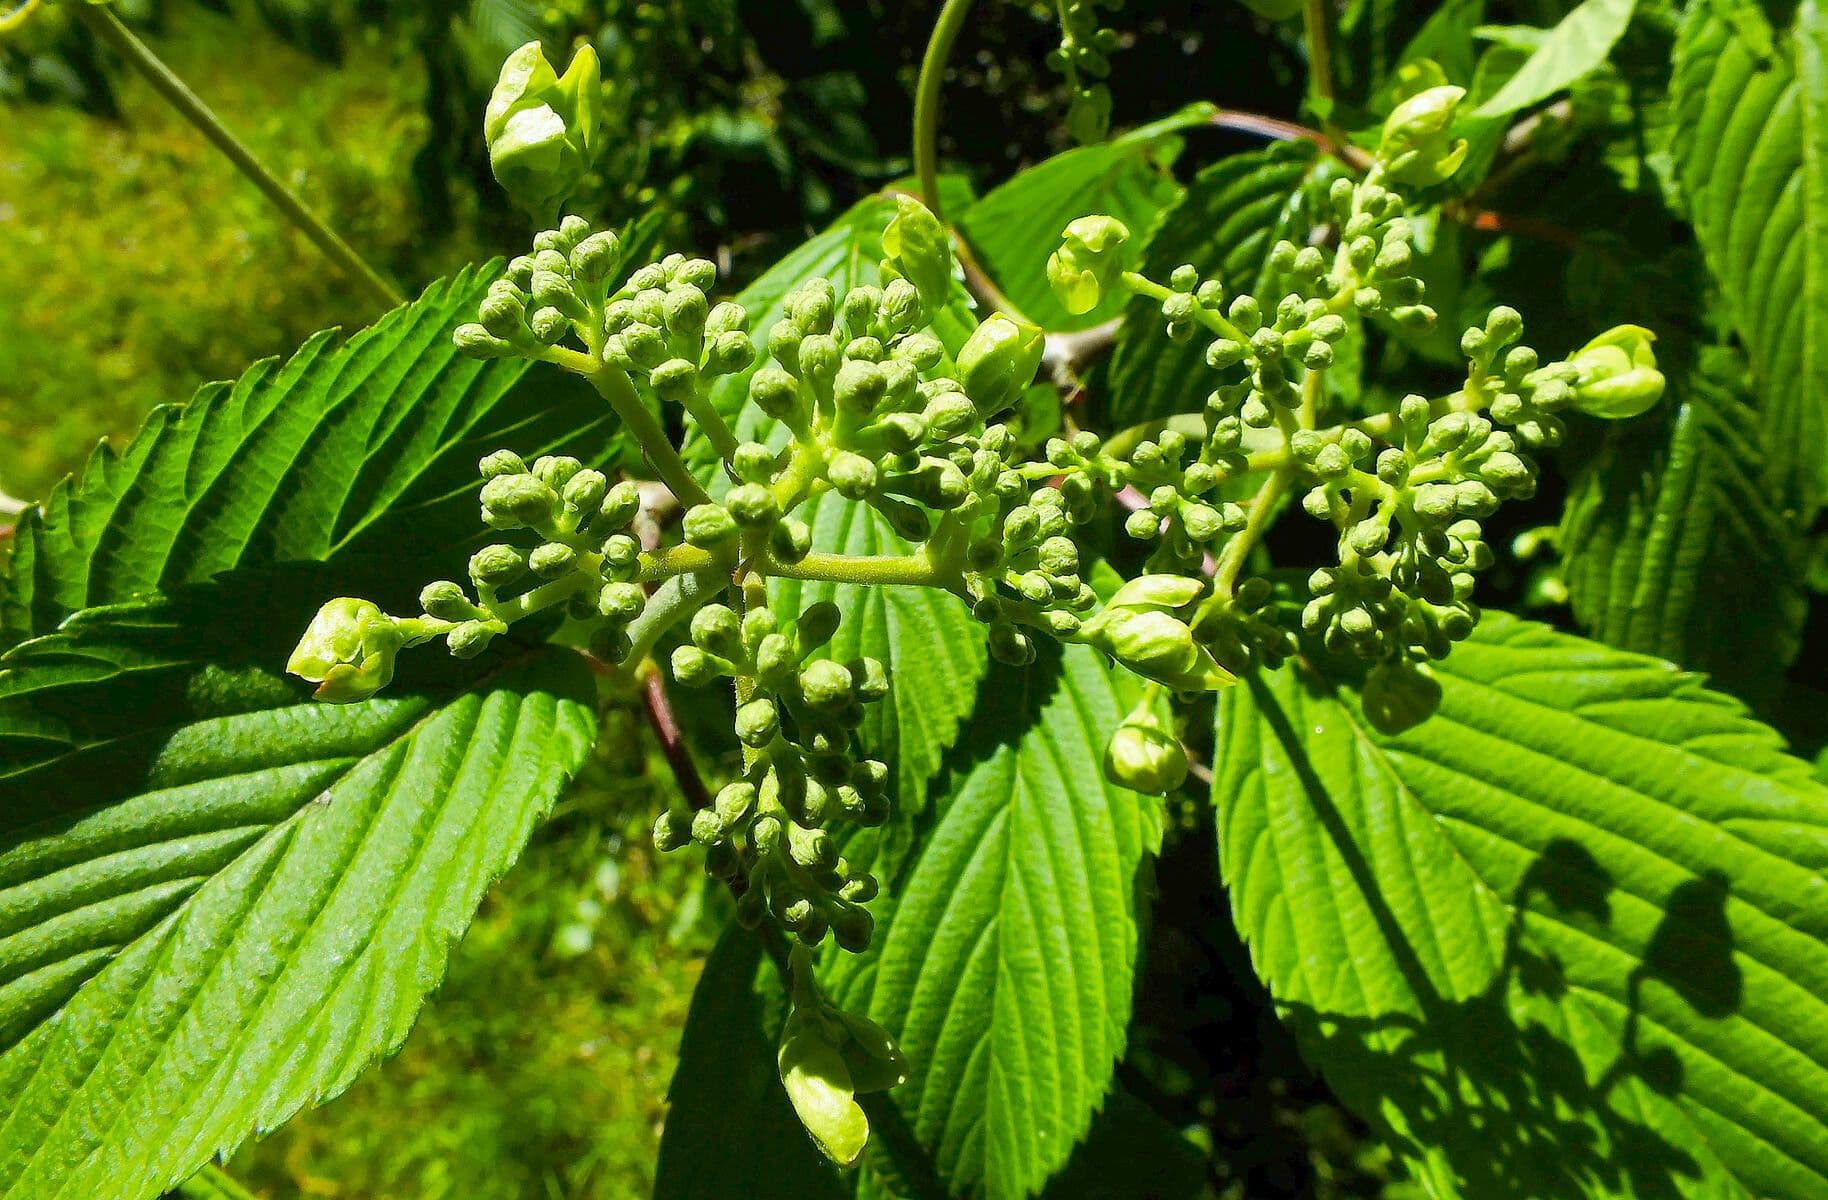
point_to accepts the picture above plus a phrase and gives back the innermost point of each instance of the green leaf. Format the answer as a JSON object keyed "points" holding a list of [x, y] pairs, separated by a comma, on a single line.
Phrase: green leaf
{"points": [[1005, 965], [1016, 226], [1225, 224], [1575, 47], [362, 450], [930, 641], [1751, 149], [729, 1128], [1563, 938], [1673, 547], [220, 902]]}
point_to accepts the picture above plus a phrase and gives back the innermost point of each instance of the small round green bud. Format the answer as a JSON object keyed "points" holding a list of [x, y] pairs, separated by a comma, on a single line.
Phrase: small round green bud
{"points": [[621, 602], [791, 540], [752, 505], [672, 830], [685, 311], [477, 342], [497, 566], [446, 601], [708, 828], [729, 353], [675, 381], [852, 476], [709, 525], [859, 386], [619, 506], [717, 629], [816, 626], [596, 257], [549, 326], [692, 667], [469, 639], [552, 560], [774, 391], [502, 462], [870, 678], [757, 723], [826, 685], [1145, 756]]}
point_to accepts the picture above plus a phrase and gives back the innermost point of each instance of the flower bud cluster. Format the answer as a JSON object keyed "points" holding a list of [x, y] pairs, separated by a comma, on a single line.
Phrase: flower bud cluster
{"points": [[1410, 536], [547, 296], [775, 828], [1084, 60], [663, 329], [864, 388]]}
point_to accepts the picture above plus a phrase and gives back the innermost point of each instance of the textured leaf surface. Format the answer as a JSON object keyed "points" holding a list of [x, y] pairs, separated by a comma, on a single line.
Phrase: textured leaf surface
{"points": [[730, 1130], [219, 901], [1230, 216], [1005, 964], [1562, 939], [357, 449], [1016, 226], [1677, 550], [1577, 45], [1752, 156]]}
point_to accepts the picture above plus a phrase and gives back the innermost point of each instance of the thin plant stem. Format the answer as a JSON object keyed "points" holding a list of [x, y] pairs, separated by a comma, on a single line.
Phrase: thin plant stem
{"points": [[926, 99], [105, 25]]}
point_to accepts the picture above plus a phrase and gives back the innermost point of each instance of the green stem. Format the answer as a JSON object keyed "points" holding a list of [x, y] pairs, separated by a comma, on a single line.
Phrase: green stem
{"points": [[1237, 550], [614, 385], [106, 26], [926, 99], [911, 569], [1320, 56], [672, 601]]}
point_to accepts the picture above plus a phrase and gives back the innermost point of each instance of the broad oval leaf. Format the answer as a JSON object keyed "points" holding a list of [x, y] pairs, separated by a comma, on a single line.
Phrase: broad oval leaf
{"points": [[358, 450], [1563, 938], [1676, 549], [220, 901], [1005, 965], [1751, 152]]}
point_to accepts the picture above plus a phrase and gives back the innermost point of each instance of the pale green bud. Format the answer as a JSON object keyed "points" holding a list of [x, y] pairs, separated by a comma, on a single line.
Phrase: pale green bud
{"points": [[497, 566], [348, 651], [708, 525], [818, 1083], [1088, 262], [757, 722], [1617, 373], [920, 250], [1145, 756], [1417, 147], [998, 362], [541, 127], [512, 501], [825, 684]]}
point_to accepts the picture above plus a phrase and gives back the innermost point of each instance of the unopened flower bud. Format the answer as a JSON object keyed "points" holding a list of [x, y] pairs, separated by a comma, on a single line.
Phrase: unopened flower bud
{"points": [[1617, 374], [998, 362], [920, 250], [1088, 262], [348, 651], [1145, 756]]}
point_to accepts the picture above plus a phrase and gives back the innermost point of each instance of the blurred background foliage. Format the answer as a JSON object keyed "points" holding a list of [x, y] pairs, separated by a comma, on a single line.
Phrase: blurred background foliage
{"points": [[136, 264]]}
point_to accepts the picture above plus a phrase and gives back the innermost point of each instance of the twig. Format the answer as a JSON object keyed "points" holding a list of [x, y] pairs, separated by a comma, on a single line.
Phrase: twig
{"points": [[659, 710], [102, 22]]}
